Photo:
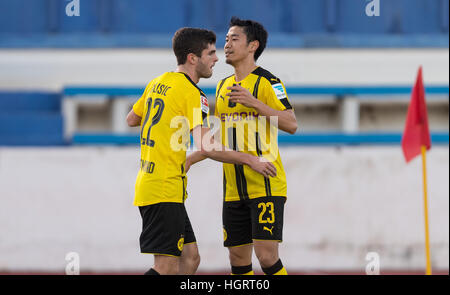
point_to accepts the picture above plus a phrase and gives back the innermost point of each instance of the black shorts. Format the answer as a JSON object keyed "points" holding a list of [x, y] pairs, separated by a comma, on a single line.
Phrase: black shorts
{"points": [[254, 219], [165, 229]]}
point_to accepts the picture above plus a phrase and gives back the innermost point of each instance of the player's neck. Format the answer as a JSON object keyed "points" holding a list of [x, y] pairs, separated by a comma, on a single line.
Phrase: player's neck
{"points": [[244, 68], [188, 71]]}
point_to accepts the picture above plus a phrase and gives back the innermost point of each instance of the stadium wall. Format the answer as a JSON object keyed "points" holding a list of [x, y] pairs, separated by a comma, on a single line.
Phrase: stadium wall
{"points": [[51, 70], [342, 204]]}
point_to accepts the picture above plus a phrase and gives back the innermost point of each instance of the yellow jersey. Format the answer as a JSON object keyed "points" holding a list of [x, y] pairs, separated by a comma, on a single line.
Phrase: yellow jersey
{"points": [[170, 107], [242, 129]]}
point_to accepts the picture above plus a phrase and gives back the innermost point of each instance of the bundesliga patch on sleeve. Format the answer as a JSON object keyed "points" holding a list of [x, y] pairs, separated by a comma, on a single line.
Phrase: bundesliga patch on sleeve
{"points": [[205, 105], [279, 91]]}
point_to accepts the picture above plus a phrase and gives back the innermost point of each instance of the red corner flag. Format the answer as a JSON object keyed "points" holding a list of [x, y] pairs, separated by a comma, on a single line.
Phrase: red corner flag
{"points": [[417, 133]]}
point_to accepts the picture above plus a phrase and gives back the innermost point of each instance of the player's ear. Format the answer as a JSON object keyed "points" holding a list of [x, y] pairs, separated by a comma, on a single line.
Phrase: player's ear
{"points": [[192, 58], [254, 45]]}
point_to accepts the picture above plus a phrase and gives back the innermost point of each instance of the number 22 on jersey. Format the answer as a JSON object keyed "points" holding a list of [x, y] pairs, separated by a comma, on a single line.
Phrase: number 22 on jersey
{"points": [[158, 105]]}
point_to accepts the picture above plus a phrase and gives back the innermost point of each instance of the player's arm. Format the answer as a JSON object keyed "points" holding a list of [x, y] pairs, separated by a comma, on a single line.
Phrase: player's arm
{"points": [[286, 119], [193, 158], [133, 120], [209, 148], [135, 115], [196, 157]]}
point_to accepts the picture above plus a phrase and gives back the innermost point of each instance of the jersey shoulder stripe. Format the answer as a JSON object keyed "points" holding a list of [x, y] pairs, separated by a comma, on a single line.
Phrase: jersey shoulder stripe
{"points": [[273, 80], [204, 103], [220, 84], [266, 74], [226, 78]]}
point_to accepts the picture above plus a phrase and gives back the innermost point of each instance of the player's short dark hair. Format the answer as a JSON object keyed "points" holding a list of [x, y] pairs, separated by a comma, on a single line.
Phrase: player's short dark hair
{"points": [[191, 40], [254, 31]]}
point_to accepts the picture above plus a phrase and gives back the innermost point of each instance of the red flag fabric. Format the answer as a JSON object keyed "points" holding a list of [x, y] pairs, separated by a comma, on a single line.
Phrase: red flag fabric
{"points": [[416, 132]]}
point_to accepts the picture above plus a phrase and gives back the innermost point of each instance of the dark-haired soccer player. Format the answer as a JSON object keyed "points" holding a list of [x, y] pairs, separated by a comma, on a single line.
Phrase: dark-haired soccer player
{"points": [[253, 204], [168, 102]]}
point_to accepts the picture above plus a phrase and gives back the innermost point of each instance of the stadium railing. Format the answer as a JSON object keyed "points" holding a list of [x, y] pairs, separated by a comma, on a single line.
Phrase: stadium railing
{"points": [[350, 98]]}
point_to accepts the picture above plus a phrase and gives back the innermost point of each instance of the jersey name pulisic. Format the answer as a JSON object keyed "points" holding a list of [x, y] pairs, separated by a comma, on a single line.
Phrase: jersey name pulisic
{"points": [[240, 130], [170, 107]]}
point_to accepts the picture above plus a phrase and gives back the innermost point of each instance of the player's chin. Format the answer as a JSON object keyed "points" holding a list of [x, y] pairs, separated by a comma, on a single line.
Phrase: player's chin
{"points": [[207, 74]]}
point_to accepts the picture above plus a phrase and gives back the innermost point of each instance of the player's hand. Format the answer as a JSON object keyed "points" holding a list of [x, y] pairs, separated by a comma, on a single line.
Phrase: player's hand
{"points": [[239, 94], [266, 169]]}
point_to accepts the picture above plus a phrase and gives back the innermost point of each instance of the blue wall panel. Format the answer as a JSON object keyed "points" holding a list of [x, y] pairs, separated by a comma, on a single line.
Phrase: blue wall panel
{"points": [[139, 16], [422, 16], [116, 22], [352, 18], [206, 14], [444, 11], [307, 16], [30, 118], [143, 16], [268, 12], [29, 101], [87, 22], [23, 16], [24, 124]]}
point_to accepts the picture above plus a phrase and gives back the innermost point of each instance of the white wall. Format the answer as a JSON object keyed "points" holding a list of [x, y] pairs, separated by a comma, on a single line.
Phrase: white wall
{"points": [[342, 204], [51, 69]]}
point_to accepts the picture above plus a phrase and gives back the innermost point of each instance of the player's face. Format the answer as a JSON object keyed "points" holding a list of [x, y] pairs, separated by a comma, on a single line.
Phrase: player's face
{"points": [[207, 61], [236, 47]]}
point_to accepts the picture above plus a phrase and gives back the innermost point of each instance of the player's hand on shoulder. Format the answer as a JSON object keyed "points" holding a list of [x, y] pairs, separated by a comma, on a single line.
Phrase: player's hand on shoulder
{"points": [[267, 169]]}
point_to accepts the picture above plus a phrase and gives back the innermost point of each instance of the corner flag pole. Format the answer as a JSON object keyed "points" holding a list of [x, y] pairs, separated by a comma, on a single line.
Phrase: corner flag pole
{"points": [[416, 140], [425, 203]]}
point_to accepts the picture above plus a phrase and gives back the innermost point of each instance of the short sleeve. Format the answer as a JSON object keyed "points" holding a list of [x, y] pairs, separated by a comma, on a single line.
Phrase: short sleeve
{"points": [[197, 110], [218, 88], [274, 94], [138, 107], [217, 95]]}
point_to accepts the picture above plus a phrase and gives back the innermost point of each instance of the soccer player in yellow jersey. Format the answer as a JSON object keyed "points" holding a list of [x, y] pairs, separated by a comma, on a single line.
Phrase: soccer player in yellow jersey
{"points": [[253, 204], [170, 108]]}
